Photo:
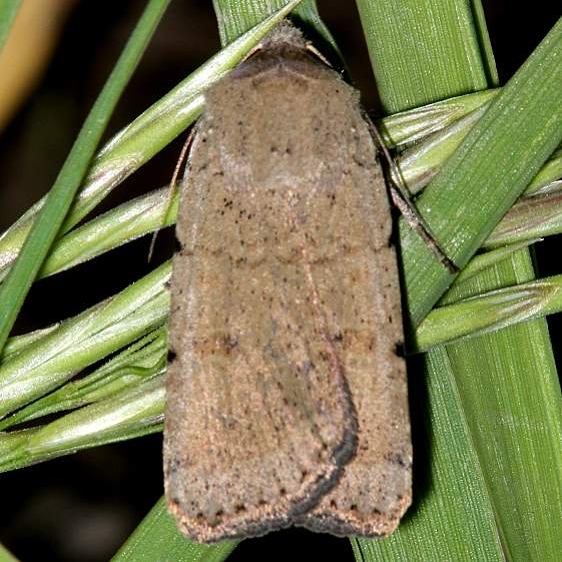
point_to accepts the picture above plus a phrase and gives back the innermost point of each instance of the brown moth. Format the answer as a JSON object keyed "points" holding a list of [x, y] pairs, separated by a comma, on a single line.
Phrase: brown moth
{"points": [[286, 400]]}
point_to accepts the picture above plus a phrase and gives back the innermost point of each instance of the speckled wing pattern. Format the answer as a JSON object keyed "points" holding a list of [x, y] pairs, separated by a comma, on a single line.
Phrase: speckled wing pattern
{"points": [[286, 401]]}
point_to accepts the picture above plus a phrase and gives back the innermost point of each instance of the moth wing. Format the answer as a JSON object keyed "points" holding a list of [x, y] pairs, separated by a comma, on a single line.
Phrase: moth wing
{"points": [[289, 318], [374, 489]]}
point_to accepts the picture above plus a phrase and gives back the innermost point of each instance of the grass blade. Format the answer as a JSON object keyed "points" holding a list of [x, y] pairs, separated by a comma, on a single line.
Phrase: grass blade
{"points": [[6, 556], [132, 413], [490, 311], [453, 53], [142, 139], [487, 174], [497, 426], [61, 195], [142, 360], [47, 363]]}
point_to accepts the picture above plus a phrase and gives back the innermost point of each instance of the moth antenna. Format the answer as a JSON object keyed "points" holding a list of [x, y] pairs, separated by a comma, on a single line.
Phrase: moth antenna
{"points": [[401, 199], [316, 53], [173, 181]]}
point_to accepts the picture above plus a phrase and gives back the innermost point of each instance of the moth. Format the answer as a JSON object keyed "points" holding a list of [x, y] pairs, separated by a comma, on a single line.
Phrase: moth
{"points": [[286, 399]]}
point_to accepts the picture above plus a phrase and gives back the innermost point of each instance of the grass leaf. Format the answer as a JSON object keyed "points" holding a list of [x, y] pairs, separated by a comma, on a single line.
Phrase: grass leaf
{"points": [[474, 420], [60, 197]]}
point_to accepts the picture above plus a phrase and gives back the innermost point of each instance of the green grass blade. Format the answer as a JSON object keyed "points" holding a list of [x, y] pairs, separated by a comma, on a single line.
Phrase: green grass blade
{"points": [[490, 311], [61, 195], [143, 138], [132, 413], [122, 224], [483, 261], [548, 174], [6, 556], [8, 12], [453, 53], [531, 217], [448, 123], [477, 396], [511, 397], [486, 52], [144, 359], [422, 162], [47, 363], [235, 17], [157, 538], [492, 167], [413, 125]]}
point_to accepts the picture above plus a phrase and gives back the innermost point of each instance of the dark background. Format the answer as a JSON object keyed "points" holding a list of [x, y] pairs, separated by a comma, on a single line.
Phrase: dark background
{"points": [[82, 507]]}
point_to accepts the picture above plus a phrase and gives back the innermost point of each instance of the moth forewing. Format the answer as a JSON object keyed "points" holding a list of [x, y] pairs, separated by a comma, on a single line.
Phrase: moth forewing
{"points": [[286, 401]]}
